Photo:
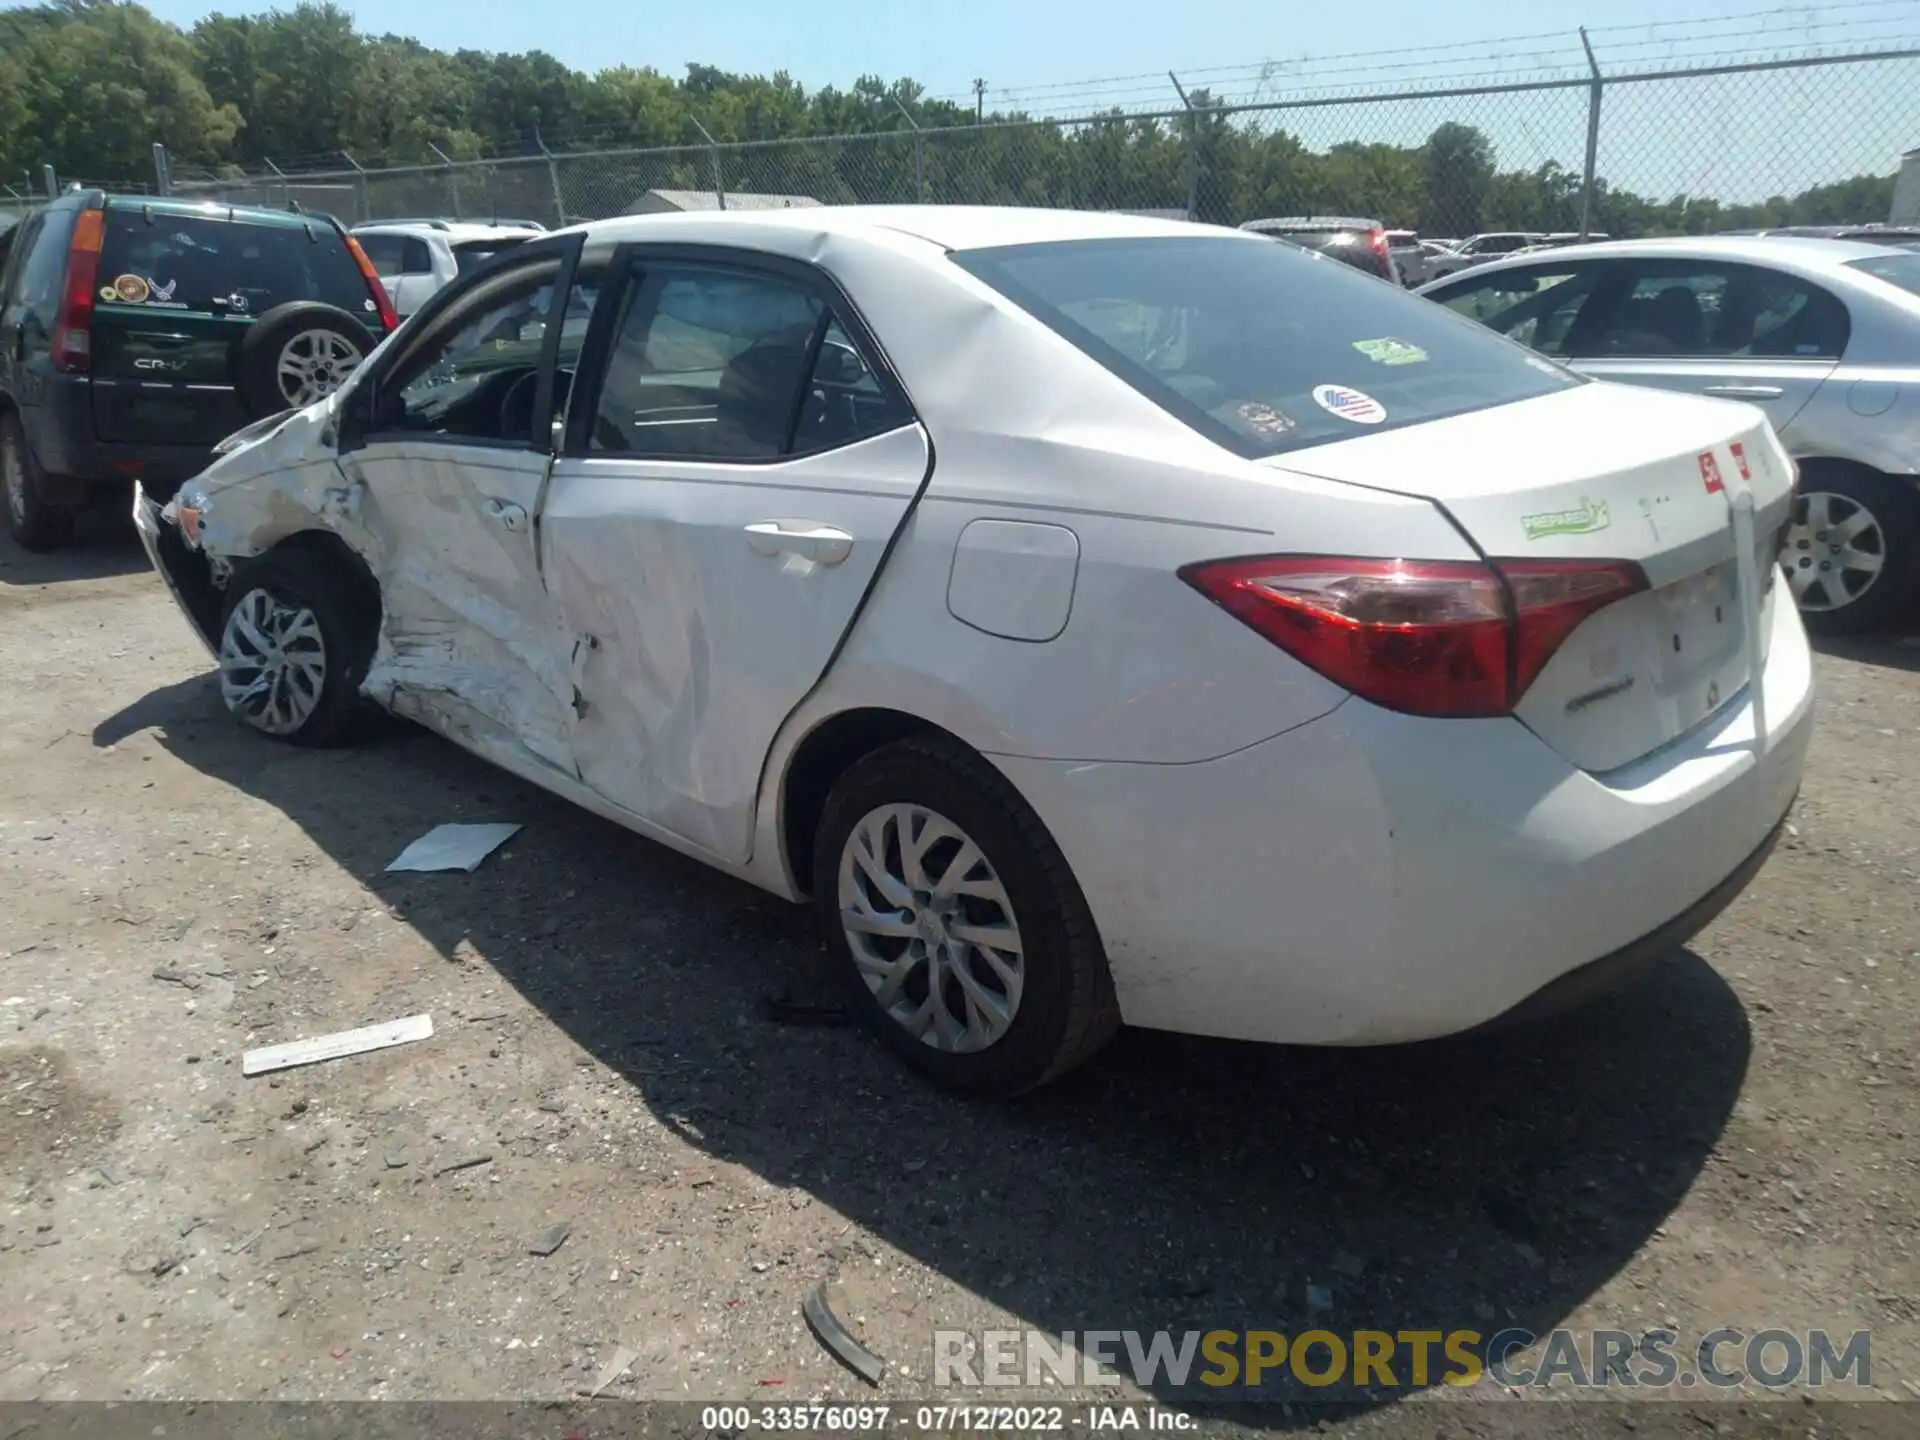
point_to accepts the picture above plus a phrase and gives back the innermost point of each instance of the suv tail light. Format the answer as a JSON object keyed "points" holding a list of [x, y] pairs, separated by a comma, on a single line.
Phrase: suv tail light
{"points": [[389, 318], [1424, 637], [73, 327], [1382, 251]]}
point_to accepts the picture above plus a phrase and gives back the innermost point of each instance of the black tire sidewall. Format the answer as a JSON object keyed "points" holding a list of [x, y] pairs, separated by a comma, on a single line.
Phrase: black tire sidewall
{"points": [[1895, 504], [41, 526], [257, 357], [300, 579], [1046, 905]]}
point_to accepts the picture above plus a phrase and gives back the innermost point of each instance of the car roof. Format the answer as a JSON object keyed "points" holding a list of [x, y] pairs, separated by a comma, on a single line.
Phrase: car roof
{"points": [[454, 230], [1314, 222], [213, 210], [1791, 252], [952, 227]]}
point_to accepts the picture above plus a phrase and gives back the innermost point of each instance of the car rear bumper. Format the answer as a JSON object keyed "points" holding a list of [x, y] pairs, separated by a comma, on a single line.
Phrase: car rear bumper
{"points": [[1370, 877], [64, 441], [185, 573]]}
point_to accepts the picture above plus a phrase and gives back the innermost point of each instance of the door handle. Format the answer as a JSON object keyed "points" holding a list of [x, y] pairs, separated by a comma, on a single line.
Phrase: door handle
{"points": [[1746, 392], [809, 539], [508, 515]]}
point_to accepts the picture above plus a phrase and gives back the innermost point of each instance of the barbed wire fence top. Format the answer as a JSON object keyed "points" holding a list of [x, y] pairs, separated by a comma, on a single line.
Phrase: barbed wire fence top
{"points": [[1621, 130]]}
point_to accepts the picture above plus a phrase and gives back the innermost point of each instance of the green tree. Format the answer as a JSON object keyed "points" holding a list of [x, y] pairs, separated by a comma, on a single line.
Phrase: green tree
{"points": [[1457, 174]]}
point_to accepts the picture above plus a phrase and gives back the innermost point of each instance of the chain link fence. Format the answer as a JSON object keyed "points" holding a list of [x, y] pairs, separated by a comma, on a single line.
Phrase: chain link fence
{"points": [[1806, 140]]}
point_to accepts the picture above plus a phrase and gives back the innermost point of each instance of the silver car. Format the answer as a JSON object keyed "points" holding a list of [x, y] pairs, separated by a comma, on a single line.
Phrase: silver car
{"points": [[1824, 335]]}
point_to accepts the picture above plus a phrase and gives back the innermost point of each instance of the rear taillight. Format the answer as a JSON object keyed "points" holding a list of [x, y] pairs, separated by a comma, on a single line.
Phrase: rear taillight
{"points": [[73, 327], [1425, 637], [1377, 239], [382, 301]]}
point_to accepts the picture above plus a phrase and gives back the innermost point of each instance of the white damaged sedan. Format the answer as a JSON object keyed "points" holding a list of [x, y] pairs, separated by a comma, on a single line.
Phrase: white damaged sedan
{"points": [[1100, 620]]}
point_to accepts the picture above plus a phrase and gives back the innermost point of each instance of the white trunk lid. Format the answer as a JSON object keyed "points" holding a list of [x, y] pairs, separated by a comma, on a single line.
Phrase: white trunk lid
{"points": [[1606, 472]]}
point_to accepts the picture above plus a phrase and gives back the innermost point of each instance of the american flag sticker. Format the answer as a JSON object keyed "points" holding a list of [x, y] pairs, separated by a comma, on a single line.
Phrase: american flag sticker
{"points": [[1355, 405], [1710, 473], [1740, 459]]}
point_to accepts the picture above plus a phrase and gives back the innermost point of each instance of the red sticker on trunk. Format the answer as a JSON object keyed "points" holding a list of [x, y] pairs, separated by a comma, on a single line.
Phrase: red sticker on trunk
{"points": [[1710, 472], [1740, 459]]}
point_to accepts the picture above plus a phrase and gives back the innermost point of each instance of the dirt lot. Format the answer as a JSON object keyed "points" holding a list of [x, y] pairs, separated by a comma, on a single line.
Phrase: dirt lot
{"points": [[1732, 1140]]}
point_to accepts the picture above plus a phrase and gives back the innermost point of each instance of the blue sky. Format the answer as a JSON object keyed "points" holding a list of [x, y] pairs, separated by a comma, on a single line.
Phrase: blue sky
{"points": [[1743, 136]]}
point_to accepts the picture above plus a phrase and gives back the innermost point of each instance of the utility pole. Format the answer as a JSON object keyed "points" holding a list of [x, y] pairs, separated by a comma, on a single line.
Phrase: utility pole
{"points": [[979, 102]]}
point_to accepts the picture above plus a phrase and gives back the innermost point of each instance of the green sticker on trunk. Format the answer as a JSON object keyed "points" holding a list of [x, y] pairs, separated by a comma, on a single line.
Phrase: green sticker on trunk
{"points": [[1388, 351], [1591, 516]]}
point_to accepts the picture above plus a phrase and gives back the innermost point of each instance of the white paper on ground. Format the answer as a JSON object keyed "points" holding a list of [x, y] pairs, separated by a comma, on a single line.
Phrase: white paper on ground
{"points": [[335, 1047], [454, 847]]}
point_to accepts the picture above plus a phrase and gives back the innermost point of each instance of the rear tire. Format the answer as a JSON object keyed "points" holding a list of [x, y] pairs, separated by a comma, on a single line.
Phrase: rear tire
{"points": [[1008, 1015], [34, 524], [296, 637], [1845, 518]]}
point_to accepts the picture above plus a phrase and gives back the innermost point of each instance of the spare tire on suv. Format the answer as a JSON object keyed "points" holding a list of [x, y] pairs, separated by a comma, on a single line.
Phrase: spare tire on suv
{"points": [[298, 353]]}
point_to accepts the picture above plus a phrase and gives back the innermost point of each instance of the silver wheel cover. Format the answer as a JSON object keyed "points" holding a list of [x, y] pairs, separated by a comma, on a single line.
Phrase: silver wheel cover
{"points": [[1834, 550], [313, 364], [931, 928], [273, 663]]}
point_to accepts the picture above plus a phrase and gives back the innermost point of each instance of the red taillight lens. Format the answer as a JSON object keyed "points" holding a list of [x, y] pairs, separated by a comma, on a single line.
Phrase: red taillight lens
{"points": [[1425, 637], [389, 317], [73, 328], [1378, 240]]}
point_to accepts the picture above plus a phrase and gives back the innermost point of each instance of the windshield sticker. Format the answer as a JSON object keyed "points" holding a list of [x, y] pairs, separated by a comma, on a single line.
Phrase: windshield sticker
{"points": [[1710, 473], [1589, 517], [131, 289], [1388, 351], [1265, 420], [162, 294], [107, 292], [1355, 405]]}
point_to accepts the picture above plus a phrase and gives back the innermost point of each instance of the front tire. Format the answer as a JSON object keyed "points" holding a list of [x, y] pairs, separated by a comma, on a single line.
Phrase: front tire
{"points": [[34, 524], [1852, 551], [296, 638], [962, 938]]}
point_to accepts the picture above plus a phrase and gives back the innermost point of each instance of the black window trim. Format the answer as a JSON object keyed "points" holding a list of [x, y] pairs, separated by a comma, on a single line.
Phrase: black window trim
{"points": [[626, 273], [1630, 270], [429, 324]]}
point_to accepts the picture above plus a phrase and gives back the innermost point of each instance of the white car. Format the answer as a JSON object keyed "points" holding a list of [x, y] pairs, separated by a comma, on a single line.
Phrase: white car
{"points": [[1100, 619], [415, 258]]}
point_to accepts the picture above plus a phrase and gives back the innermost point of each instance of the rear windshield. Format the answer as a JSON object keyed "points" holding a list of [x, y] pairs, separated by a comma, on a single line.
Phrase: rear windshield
{"points": [[1901, 270], [215, 265], [1263, 348], [471, 256]]}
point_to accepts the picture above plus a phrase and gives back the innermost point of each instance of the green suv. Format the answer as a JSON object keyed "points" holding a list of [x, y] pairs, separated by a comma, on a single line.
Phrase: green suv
{"points": [[136, 333]]}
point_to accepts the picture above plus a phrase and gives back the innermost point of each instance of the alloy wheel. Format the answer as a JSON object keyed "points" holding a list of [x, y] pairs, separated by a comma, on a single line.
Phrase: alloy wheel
{"points": [[931, 928], [273, 663], [314, 364], [1834, 550]]}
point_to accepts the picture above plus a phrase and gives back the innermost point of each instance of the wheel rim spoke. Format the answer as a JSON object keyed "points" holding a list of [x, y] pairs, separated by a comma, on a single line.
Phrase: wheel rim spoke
{"points": [[1834, 551], [931, 928], [273, 662]]}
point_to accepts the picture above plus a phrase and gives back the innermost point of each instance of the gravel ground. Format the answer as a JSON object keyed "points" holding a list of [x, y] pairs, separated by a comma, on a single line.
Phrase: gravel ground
{"points": [[1731, 1140]]}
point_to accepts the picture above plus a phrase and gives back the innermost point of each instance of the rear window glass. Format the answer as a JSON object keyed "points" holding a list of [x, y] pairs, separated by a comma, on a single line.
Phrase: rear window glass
{"points": [[215, 265], [1901, 270], [1260, 347]]}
